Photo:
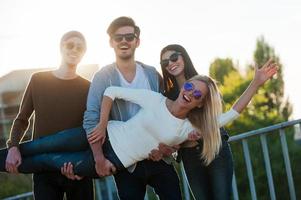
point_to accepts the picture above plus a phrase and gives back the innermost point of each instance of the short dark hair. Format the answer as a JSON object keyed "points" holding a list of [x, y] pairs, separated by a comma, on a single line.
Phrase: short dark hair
{"points": [[121, 22]]}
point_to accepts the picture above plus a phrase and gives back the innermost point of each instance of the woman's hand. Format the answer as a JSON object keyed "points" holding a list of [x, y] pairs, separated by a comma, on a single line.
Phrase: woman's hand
{"points": [[263, 74], [99, 134]]}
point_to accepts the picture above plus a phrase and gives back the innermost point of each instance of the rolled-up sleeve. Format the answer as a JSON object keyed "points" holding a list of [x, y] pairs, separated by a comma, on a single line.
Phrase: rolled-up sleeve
{"points": [[91, 117]]}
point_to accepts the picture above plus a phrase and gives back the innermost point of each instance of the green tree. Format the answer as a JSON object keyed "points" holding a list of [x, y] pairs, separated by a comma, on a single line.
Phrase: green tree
{"points": [[275, 87], [221, 68]]}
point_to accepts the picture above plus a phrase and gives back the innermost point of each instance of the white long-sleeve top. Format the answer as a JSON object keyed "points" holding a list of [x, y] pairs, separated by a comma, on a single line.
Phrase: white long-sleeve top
{"points": [[134, 139]]}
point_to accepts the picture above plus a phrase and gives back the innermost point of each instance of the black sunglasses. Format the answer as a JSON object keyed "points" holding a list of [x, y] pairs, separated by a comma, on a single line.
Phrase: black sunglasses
{"points": [[129, 37], [173, 58]]}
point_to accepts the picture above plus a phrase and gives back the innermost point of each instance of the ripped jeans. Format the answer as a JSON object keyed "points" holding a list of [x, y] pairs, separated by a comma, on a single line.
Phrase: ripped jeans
{"points": [[51, 152]]}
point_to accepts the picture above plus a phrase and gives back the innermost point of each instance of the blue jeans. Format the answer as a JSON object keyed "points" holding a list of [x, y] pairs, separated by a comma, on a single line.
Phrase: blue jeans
{"points": [[212, 182], [51, 152]]}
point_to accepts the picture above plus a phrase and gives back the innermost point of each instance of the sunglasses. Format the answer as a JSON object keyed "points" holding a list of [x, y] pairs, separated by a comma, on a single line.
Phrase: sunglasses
{"points": [[71, 46], [129, 37], [188, 86], [173, 58]]}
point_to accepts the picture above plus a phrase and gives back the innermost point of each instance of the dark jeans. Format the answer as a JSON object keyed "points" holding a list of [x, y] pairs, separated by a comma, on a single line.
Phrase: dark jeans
{"points": [[160, 175], [53, 185], [51, 152], [212, 182]]}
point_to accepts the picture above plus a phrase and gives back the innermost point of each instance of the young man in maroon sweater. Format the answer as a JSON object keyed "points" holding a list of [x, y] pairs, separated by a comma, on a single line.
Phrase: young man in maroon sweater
{"points": [[58, 100]]}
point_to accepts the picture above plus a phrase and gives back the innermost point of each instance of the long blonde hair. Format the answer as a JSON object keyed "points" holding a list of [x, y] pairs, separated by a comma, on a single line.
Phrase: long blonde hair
{"points": [[205, 119]]}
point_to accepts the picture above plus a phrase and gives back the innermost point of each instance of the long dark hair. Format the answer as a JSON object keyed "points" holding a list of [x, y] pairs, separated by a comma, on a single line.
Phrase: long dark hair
{"points": [[171, 87]]}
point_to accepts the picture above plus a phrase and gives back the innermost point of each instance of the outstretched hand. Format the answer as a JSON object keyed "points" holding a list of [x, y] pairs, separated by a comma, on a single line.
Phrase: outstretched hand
{"points": [[268, 70], [263, 74]]}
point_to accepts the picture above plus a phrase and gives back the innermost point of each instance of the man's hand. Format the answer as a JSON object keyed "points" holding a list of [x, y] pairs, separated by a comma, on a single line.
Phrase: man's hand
{"points": [[168, 150], [13, 160], [194, 136], [162, 151], [67, 170], [99, 134], [104, 167], [155, 155]]}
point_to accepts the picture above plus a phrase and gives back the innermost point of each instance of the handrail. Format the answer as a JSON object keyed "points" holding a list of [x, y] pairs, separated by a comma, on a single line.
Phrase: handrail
{"points": [[263, 130]]}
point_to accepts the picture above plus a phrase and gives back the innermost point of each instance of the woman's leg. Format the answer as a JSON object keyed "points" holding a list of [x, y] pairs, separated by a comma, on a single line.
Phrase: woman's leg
{"points": [[196, 172], [83, 163], [213, 181], [69, 140], [221, 173]]}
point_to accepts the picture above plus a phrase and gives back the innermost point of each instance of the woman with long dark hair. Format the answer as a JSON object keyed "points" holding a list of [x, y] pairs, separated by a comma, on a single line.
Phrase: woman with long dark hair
{"points": [[207, 180]]}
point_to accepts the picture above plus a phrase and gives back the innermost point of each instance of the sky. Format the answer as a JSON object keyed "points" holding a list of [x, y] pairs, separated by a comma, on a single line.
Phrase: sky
{"points": [[31, 30]]}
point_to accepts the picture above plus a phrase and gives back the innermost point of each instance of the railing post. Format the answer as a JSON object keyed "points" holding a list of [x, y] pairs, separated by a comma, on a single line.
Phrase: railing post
{"points": [[249, 168], [234, 187], [109, 188], [185, 182], [268, 166], [287, 165], [98, 191]]}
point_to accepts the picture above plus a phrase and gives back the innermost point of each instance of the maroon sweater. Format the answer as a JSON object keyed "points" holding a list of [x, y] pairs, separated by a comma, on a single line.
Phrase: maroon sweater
{"points": [[57, 104]]}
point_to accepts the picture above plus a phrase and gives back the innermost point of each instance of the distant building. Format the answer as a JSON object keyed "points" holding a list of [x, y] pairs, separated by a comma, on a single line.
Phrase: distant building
{"points": [[12, 87]]}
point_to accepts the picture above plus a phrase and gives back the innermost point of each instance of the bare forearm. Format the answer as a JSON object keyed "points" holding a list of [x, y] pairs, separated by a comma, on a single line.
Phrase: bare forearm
{"points": [[97, 151], [106, 107], [246, 97]]}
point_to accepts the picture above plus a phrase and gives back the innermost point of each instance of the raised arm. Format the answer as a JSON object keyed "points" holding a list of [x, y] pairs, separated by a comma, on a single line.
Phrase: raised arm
{"points": [[261, 76]]}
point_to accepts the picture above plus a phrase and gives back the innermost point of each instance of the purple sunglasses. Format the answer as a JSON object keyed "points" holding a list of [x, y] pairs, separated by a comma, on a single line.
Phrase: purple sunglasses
{"points": [[188, 86]]}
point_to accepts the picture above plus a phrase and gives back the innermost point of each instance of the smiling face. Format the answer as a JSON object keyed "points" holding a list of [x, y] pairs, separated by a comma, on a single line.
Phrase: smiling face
{"points": [[123, 42], [173, 63], [72, 50], [193, 95]]}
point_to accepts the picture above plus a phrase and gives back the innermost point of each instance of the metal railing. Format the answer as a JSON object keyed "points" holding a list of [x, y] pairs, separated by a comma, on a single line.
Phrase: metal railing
{"points": [[24, 196], [262, 133], [243, 138]]}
